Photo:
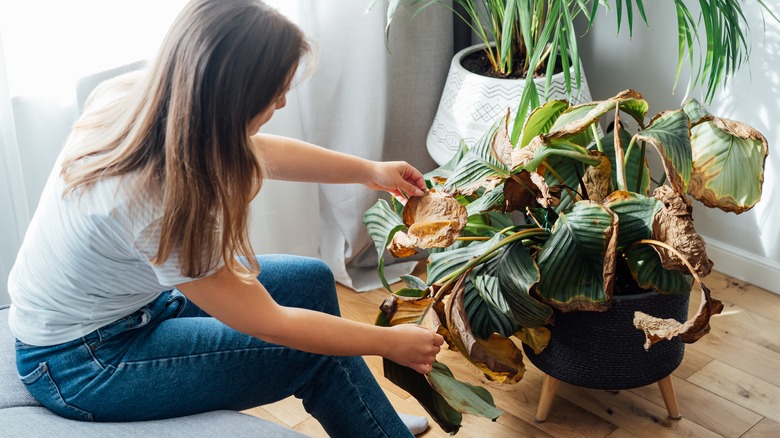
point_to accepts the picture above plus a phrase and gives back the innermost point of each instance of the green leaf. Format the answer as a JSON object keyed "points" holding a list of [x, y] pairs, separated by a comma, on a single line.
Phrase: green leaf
{"points": [[634, 159], [577, 261], [486, 282], [485, 317], [635, 216], [572, 114], [413, 282], [492, 200], [578, 119], [695, 111], [669, 132], [382, 223], [431, 400], [728, 166], [478, 163], [410, 292], [445, 171], [465, 398], [507, 35], [442, 263], [646, 268], [517, 273], [570, 171], [541, 120]]}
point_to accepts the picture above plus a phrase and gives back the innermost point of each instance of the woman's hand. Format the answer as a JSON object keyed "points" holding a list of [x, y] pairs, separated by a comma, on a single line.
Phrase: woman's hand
{"points": [[399, 178], [414, 346]]}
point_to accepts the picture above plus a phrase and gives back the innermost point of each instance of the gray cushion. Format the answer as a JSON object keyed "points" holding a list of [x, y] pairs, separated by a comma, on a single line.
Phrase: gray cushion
{"points": [[22, 416], [33, 422], [12, 391]]}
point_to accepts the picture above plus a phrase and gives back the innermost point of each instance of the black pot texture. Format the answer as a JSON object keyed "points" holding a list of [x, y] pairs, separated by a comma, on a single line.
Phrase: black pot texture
{"points": [[603, 350]]}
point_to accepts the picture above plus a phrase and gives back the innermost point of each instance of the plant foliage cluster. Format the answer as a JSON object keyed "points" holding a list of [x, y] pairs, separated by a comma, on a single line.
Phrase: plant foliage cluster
{"points": [[559, 220]]}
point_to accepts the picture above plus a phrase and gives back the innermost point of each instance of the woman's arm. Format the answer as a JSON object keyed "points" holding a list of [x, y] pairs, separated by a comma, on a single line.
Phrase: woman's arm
{"points": [[250, 309], [294, 160]]}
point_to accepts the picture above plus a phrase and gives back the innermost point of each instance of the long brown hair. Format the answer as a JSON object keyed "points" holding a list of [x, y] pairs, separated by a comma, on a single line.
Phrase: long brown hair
{"points": [[182, 127]]}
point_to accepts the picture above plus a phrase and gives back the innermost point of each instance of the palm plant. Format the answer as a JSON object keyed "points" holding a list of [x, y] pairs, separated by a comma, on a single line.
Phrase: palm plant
{"points": [[563, 219], [523, 36]]}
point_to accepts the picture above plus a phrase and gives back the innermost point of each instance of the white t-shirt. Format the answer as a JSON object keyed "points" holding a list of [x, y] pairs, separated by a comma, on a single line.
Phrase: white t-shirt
{"points": [[84, 262]]}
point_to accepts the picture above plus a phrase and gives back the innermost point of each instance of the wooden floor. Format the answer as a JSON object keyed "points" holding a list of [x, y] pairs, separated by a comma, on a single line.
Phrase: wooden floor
{"points": [[728, 384]]}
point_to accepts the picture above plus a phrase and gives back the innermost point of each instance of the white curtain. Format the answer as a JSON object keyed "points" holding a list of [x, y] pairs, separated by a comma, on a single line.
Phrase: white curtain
{"points": [[13, 202], [361, 99], [370, 102]]}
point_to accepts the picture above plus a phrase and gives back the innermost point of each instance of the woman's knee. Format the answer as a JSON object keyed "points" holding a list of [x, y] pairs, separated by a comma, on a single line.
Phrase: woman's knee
{"points": [[299, 281]]}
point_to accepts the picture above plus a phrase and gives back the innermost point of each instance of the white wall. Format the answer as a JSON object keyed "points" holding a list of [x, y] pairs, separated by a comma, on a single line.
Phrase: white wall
{"points": [[13, 202], [745, 246]]}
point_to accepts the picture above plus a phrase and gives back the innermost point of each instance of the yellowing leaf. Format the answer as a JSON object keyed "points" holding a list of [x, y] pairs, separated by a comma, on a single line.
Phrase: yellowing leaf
{"points": [[537, 338], [728, 164]]}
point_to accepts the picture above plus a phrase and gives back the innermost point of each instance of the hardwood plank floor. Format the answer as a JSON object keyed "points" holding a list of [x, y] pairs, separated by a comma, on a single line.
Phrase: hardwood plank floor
{"points": [[727, 386]]}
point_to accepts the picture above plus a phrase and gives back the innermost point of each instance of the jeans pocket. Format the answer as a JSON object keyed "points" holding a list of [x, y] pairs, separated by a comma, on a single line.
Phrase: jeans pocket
{"points": [[40, 384]]}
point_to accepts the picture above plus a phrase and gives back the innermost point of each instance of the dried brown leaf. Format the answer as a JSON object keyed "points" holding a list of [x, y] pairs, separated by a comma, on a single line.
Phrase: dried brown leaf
{"points": [[522, 156], [405, 310], [502, 144], [673, 225], [656, 329], [434, 220], [598, 179], [528, 189], [402, 245]]}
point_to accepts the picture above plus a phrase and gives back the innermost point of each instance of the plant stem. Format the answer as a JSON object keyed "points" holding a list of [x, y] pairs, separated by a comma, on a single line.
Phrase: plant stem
{"points": [[631, 146], [583, 157], [557, 176], [620, 163], [674, 251], [450, 279], [596, 136]]}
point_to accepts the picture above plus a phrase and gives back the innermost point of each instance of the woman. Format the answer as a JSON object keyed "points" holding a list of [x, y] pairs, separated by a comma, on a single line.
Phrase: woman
{"points": [[136, 295]]}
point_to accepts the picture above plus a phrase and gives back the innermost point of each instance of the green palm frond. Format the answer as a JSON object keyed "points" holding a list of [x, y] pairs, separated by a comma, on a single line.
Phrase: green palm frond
{"points": [[527, 37]]}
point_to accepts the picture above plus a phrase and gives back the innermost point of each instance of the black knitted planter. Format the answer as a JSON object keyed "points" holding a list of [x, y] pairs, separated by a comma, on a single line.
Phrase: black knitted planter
{"points": [[603, 350]]}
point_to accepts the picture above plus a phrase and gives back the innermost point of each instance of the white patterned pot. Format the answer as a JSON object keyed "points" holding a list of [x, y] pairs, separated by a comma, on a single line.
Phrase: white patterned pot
{"points": [[471, 103]]}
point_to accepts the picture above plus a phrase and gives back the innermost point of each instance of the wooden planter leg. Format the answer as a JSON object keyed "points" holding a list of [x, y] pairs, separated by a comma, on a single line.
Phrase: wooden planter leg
{"points": [[670, 399], [549, 387]]}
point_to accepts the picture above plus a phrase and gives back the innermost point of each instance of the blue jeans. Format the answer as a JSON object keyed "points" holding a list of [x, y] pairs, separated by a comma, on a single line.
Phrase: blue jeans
{"points": [[171, 359]]}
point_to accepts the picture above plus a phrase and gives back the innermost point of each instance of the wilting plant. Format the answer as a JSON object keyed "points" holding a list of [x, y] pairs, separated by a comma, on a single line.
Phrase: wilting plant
{"points": [[563, 219]]}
